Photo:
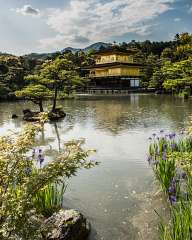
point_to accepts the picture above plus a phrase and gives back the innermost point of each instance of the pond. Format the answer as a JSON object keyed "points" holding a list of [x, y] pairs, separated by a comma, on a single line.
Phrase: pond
{"points": [[118, 196]]}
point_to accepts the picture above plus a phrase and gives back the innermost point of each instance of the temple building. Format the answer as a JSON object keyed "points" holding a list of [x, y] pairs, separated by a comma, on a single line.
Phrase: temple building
{"points": [[115, 69]]}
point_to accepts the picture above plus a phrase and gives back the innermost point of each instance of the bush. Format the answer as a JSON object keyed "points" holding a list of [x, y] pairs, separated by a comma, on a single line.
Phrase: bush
{"points": [[20, 185]]}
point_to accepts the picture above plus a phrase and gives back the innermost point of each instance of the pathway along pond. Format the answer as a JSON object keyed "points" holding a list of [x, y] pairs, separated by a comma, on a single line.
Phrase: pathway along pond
{"points": [[118, 196]]}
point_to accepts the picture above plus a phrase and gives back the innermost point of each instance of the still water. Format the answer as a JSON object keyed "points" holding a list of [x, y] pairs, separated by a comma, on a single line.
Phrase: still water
{"points": [[118, 196]]}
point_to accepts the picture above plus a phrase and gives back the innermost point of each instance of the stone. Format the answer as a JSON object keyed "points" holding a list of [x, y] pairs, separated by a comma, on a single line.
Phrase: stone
{"points": [[14, 116], [34, 116], [56, 114], [30, 116], [66, 225]]}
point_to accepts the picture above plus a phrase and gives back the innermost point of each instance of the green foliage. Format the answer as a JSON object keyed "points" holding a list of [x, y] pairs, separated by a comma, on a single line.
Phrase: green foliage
{"points": [[64, 72], [165, 171], [152, 63], [60, 75], [12, 72], [35, 91], [178, 75], [180, 226], [157, 79], [49, 199], [54, 78], [19, 185], [171, 69], [172, 159]]}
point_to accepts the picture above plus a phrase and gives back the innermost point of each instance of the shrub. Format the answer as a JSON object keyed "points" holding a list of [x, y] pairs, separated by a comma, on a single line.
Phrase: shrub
{"points": [[19, 184]]}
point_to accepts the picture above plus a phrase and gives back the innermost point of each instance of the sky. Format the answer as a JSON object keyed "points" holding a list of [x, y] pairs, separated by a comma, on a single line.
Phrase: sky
{"points": [[50, 25]]}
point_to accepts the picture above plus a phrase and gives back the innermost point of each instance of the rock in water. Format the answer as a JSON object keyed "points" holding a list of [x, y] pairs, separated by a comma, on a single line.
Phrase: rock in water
{"points": [[66, 225], [56, 115], [30, 116], [14, 116]]}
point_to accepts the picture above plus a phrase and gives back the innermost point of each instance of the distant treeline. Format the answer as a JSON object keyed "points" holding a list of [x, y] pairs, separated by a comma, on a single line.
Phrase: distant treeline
{"points": [[167, 66]]}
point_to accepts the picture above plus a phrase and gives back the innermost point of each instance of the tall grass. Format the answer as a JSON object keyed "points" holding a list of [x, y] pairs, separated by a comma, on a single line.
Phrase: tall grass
{"points": [[180, 226], [170, 156], [50, 199]]}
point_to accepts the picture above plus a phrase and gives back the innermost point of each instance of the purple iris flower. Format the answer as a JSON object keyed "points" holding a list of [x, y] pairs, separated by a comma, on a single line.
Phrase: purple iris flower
{"points": [[173, 181], [182, 175], [161, 131], [173, 146], [172, 190], [40, 159], [172, 199], [170, 136]]}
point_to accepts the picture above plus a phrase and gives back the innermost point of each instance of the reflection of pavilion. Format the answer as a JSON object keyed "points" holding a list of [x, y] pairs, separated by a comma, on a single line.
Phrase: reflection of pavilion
{"points": [[117, 116]]}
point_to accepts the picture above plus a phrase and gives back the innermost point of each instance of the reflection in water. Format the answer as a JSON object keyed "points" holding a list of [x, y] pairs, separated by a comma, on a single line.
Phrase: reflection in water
{"points": [[117, 196]]}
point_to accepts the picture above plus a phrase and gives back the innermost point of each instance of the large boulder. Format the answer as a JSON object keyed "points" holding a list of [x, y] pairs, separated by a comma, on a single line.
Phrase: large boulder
{"points": [[66, 225]]}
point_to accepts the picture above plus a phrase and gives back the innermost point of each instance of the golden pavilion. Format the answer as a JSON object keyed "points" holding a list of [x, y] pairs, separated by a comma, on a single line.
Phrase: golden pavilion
{"points": [[115, 69]]}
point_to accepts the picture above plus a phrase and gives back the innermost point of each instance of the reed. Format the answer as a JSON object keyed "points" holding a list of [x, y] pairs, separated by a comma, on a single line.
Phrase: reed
{"points": [[50, 199], [171, 158]]}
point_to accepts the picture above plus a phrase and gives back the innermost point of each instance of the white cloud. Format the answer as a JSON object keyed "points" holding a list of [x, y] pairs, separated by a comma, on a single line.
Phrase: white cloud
{"points": [[177, 19], [28, 10], [95, 20], [190, 10]]}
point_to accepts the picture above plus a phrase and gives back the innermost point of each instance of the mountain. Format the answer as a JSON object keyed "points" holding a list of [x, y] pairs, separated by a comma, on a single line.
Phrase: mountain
{"points": [[43, 56], [95, 46], [73, 50]]}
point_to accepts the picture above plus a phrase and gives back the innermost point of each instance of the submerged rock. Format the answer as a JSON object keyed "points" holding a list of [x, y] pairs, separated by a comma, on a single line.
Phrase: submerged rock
{"points": [[66, 225]]}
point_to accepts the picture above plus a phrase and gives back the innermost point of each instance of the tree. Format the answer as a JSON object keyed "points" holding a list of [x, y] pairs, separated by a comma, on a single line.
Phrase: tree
{"points": [[157, 80], [178, 75], [151, 63], [60, 75], [35, 91], [167, 53], [183, 46], [11, 75]]}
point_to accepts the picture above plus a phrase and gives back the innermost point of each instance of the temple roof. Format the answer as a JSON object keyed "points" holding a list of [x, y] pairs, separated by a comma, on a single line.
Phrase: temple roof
{"points": [[113, 64], [115, 51]]}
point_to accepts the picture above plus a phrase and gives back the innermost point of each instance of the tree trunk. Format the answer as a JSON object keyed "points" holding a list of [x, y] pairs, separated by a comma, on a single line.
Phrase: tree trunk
{"points": [[41, 106], [54, 100]]}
